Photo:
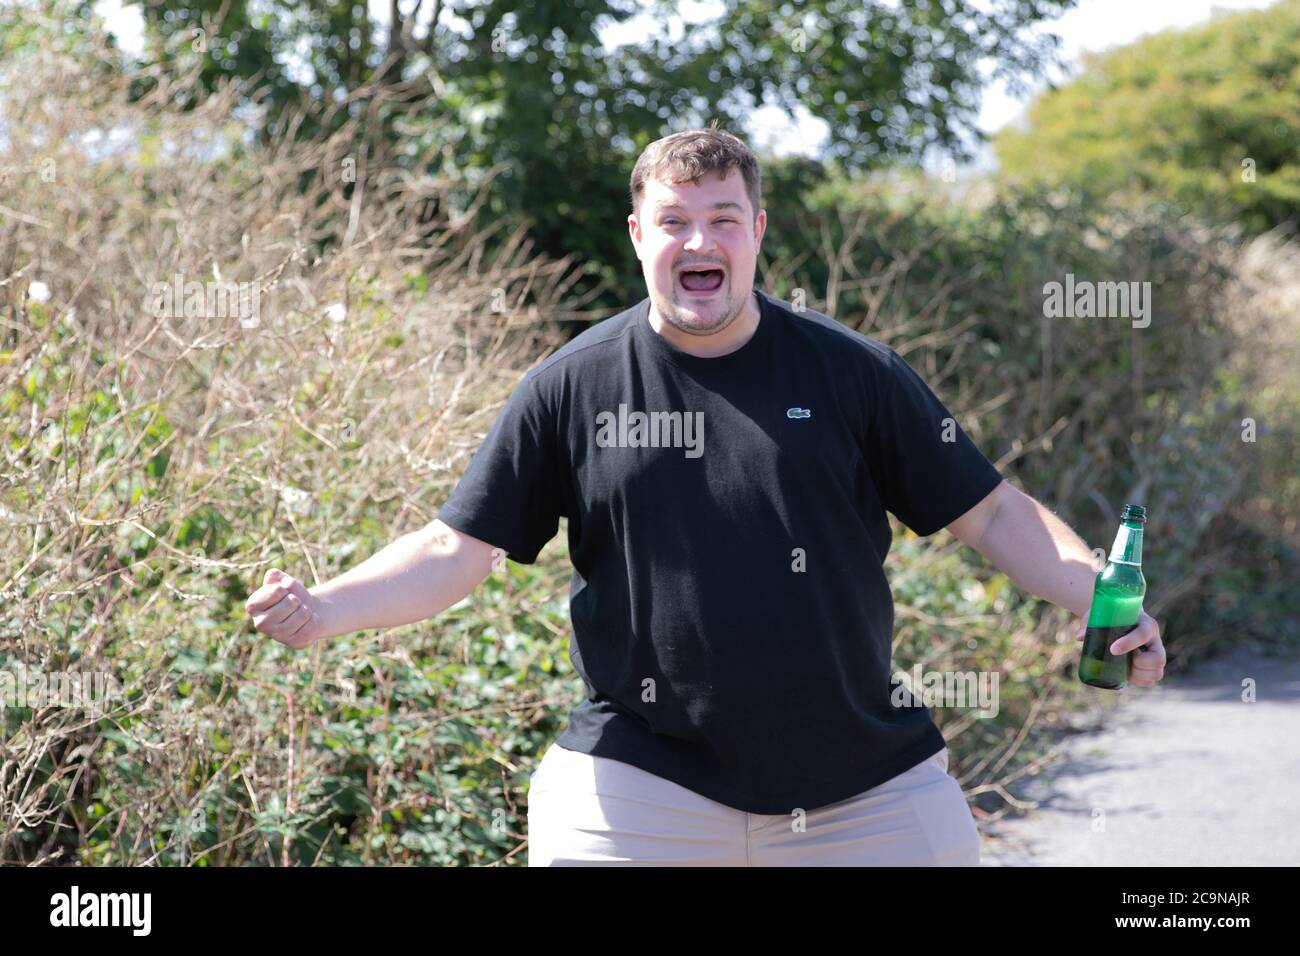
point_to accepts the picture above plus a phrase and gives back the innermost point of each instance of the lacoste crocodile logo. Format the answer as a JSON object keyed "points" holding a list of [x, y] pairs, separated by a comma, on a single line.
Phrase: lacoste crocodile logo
{"points": [[798, 413]]}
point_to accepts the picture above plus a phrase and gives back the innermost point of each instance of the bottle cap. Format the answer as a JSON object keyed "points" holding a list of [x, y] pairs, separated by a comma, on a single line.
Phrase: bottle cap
{"points": [[1134, 513]]}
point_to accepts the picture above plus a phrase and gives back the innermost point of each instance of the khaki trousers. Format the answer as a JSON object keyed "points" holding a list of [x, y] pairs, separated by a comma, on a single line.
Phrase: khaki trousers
{"points": [[594, 811]]}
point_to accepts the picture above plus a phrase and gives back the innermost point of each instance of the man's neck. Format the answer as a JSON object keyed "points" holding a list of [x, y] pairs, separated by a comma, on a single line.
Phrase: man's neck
{"points": [[735, 335]]}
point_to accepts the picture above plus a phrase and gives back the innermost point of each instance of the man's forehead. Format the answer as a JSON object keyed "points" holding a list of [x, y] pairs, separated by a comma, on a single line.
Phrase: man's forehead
{"points": [[712, 192]]}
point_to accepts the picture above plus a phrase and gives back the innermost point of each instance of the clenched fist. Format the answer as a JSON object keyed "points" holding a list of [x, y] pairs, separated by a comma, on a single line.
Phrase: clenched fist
{"points": [[283, 608]]}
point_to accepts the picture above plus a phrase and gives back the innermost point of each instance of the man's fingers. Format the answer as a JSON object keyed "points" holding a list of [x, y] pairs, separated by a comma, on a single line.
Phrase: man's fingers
{"points": [[1150, 656], [1148, 667], [1148, 661], [283, 610], [305, 634], [268, 594], [292, 624], [278, 614], [1144, 633], [286, 625], [1147, 681], [264, 597], [1141, 645], [299, 630]]}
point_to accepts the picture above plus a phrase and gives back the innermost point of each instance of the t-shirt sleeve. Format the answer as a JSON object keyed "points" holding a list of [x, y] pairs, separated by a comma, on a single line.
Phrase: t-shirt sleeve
{"points": [[509, 494], [927, 470]]}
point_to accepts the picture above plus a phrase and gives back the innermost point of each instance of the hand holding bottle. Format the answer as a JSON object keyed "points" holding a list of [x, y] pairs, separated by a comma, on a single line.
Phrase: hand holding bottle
{"points": [[1147, 665], [1116, 624]]}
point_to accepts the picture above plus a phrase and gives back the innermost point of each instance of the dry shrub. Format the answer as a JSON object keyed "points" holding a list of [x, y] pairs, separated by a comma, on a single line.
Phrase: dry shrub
{"points": [[158, 462]]}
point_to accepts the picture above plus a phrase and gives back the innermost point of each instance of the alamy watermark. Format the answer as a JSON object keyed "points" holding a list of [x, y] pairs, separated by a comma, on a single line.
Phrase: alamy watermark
{"points": [[205, 300], [75, 908], [651, 430], [948, 689], [89, 690], [1087, 300]]}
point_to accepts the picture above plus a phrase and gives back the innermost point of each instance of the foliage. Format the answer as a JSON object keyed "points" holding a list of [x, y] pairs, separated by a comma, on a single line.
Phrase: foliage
{"points": [[1207, 118], [530, 89], [157, 462], [156, 465]]}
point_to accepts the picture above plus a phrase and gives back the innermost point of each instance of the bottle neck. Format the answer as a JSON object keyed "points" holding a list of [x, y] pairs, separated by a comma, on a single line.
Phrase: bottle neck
{"points": [[1127, 548]]}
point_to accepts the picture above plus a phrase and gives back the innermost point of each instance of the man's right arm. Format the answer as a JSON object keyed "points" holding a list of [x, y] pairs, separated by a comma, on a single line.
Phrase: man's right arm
{"points": [[418, 576], [412, 579]]}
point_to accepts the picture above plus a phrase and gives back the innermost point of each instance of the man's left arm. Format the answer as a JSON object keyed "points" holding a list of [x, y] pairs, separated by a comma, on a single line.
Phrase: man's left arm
{"points": [[1042, 555]]}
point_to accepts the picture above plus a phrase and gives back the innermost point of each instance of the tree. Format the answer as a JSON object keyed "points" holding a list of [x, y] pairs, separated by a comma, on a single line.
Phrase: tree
{"points": [[1205, 118], [532, 87]]}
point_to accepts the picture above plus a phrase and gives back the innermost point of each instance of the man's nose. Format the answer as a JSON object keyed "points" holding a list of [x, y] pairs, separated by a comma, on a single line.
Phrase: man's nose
{"points": [[699, 239]]}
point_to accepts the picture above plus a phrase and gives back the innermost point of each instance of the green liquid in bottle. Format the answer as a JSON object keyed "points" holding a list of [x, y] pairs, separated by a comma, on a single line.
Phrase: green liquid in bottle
{"points": [[1116, 605]]}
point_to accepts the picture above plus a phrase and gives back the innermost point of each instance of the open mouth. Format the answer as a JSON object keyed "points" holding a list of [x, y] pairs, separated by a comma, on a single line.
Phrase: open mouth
{"points": [[701, 281]]}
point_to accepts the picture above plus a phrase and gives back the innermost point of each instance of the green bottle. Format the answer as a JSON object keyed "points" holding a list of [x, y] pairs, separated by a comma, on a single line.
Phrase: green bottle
{"points": [[1116, 605]]}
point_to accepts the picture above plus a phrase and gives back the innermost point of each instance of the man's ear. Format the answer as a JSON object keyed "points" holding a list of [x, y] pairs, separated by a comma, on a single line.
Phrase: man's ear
{"points": [[634, 233]]}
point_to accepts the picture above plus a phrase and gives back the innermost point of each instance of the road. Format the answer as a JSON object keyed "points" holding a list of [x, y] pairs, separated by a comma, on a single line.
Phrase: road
{"points": [[1181, 774]]}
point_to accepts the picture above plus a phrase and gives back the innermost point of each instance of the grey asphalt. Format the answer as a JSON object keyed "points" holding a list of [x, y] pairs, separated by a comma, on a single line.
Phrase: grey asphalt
{"points": [[1181, 774]]}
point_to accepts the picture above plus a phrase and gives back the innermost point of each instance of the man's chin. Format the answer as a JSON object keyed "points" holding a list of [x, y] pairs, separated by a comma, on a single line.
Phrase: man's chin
{"points": [[702, 314], [699, 324]]}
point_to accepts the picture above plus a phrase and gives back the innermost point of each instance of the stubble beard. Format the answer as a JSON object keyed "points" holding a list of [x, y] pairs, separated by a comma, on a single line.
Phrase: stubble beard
{"points": [[680, 316]]}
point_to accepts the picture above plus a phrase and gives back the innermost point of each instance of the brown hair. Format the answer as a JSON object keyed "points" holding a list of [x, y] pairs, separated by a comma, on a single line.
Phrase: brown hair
{"points": [[688, 156]]}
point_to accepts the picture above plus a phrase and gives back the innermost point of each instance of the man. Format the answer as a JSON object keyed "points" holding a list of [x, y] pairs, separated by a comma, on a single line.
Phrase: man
{"points": [[726, 465]]}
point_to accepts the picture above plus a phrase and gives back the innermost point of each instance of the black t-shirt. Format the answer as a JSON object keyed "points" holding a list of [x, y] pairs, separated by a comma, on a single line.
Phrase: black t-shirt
{"points": [[732, 621]]}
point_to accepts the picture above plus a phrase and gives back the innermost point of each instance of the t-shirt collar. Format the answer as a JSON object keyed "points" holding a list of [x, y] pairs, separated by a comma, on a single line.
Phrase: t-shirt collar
{"points": [[767, 316]]}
